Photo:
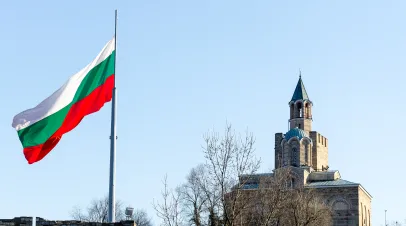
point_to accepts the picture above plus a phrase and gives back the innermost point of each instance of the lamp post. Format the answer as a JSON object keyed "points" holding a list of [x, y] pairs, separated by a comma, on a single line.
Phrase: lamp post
{"points": [[385, 218], [129, 213]]}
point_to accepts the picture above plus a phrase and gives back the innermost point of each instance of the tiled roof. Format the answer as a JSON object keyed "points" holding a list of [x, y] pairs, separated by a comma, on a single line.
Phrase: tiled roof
{"points": [[332, 183], [329, 175], [300, 91], [257, 175], [295, 132]]}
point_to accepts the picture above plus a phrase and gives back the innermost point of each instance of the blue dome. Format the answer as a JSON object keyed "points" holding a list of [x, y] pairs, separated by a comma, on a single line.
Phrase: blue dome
{"points": [[295, 132]]}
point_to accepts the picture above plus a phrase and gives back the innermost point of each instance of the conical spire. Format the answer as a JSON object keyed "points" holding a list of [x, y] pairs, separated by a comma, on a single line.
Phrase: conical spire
{"points": [[300, 91]]}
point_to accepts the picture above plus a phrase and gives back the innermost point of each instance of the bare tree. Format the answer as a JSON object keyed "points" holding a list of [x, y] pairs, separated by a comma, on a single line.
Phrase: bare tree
{"points": [[226, 191], [276, 201], [141, 218], [228, 158], [269, 199], [97, 211], [193, 195], [170, 209], [305, 208], [212, 199], [78, 214]]}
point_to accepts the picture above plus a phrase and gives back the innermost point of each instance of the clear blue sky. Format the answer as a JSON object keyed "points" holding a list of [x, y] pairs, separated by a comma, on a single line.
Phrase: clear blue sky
{"points": [[185, 67]]}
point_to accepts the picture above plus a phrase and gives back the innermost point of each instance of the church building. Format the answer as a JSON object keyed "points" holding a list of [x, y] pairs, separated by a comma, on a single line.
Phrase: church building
{"points": [[305, 152]]}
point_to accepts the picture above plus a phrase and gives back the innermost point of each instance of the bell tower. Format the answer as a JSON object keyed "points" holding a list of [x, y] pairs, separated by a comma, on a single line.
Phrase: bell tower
{"points": [[300, 108], [301, 147]]}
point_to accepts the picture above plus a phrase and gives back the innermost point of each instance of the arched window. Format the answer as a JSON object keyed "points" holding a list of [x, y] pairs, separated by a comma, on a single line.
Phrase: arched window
{"points": [[290, 182], [340, 206], [285, 157], [294, 156], [362, 215], [299, 108], [292, 108], [307, 110], [306, 154], [366, 217], [369, 218]]}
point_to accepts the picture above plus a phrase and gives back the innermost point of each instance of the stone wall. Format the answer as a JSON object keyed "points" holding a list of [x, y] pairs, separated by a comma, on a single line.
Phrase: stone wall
{"points": [[344, 202], [320, 151], [364, 207], [302, 123], [27, 221], [278, 149]]}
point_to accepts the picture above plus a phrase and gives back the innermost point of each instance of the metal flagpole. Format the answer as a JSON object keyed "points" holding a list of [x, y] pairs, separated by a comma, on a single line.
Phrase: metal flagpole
{"points": [[113, 138]]}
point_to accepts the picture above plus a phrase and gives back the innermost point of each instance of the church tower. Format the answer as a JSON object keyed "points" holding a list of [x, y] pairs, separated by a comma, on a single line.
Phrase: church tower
{"points": [[301, 147], [300, 108]]}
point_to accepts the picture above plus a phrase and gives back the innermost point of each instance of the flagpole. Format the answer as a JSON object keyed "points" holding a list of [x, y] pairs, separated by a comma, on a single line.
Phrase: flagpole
{"points": [[113, 138]]}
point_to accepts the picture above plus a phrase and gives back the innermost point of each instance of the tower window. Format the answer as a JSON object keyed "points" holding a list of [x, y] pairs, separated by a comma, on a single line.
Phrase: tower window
{"points": [[299, 110], [285, 157], [289, 184], [299, 126], [292, 109], [307, 108], [307, 154], [294, 157]]}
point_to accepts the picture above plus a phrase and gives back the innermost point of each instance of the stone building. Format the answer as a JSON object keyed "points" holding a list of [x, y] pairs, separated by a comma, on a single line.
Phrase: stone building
{"points": [[28, 221], [305, 152]]}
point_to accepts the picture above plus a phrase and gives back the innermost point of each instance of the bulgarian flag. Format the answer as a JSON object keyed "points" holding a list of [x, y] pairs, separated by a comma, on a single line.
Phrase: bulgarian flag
{"points": [[42, 127]]}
